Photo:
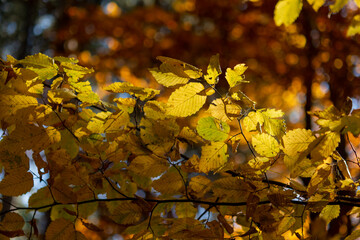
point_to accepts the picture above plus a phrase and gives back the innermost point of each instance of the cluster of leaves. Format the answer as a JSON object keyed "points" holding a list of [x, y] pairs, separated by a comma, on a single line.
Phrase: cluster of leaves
{"points": [[155, 167], [287, 11]]}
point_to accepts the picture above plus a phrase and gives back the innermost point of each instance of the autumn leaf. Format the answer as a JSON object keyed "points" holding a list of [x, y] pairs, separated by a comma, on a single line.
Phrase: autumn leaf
{"points": [[338, 5], [213, 70], [213, 157], [316, 4], [265, 145], [18, 182], [235, 77], [12, 222], [330, 212], [139, 92], [211, 129], [185, 101], [287, 11]]}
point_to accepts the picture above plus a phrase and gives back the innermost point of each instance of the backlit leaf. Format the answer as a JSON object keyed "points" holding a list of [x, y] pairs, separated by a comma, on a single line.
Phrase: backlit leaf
{"points": [[297, 141], [185, 101], [213, 157], [213, 70], [265, 145], [185, 210], [170, 183], [252, 120], [225, 113], [139, 92], [316, 4], [354, 235], [235, 77], [167, 78], [330, 212], [179, 67], [41, 64], [211, 129], [338, 5], [287, 11], [321, 174]]}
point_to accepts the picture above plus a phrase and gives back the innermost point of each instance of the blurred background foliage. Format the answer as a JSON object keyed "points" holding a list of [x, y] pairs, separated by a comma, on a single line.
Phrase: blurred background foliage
{"points": [[308, 65]]}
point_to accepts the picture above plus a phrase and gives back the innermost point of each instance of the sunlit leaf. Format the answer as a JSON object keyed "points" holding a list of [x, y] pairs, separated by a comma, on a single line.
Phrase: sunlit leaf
{"points": [[170, 183], [178, 66], [185, 101], [235, 77], [225, 113], [296, 141], [354, 235], [316, 4], [338, 5], [211, 129], [213, 70], [42, 65], [213, 157], [321, 174], [285, 224], [330, 212], [265, 145], [126, 87], [287, 11], [167, 78]]}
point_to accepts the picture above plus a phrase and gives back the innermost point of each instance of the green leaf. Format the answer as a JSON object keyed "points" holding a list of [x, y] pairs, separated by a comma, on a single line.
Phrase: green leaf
{"points": [[235, 77], [211, 129], [213, 157], [185, 100], [287, 11], [330, 212], [213, 70], [265, 145], [139, 92], [338, 5], [316, 4]]}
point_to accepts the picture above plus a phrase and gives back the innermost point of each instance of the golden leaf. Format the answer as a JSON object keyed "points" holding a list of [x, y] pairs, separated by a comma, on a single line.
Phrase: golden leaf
{"points": [[12, 222], [213, 157], [18, 182]]}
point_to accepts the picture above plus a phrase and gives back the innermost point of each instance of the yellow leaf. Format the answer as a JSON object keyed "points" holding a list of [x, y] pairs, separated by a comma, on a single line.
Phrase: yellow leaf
{"points": [[139, 92], [213, 70], [330, 212], [265, 145], [124, 212], [167, 78], [355, 235], [211, 129], [16, 183], [96, 123], [185, 101], [116, 122], [286, 223], [155, 110], [41, 64], [148, 166], [316, 4], [74, 71], [327, 145], [338, 5], [321, 174], [213, 157], [287, 11], [12, 222], [357, 2], [177, 66], [14, 106], [198, 185], [185, 210], [60, 229], [297, 141], [217, 110], [235, 77], [252, 120]]}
